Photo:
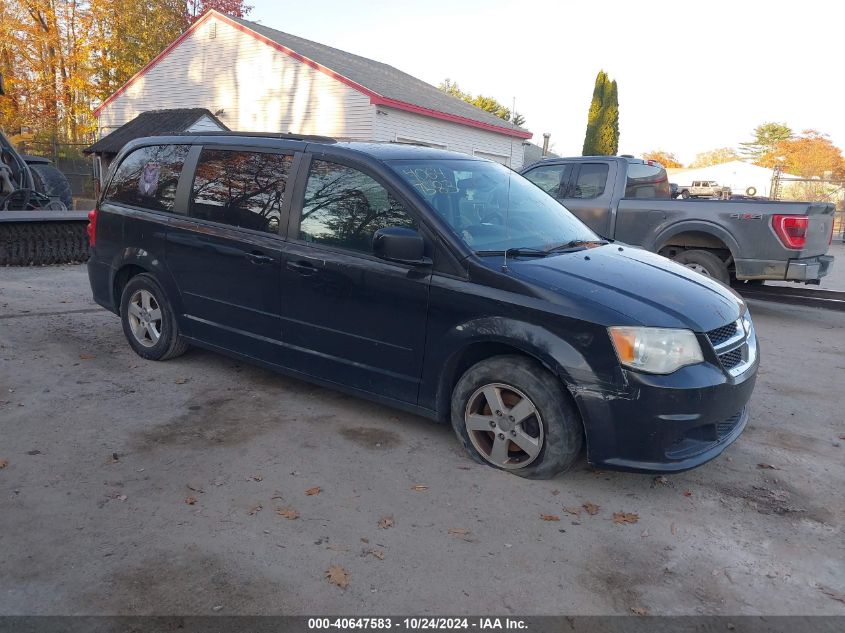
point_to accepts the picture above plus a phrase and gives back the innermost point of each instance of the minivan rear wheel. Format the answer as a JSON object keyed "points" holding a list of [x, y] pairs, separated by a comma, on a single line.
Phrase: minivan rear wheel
{"points": [[149, 322], [509, 412]]}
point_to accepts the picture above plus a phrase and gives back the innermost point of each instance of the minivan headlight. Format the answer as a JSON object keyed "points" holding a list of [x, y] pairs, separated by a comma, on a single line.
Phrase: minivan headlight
{"points": [[654, 349]]}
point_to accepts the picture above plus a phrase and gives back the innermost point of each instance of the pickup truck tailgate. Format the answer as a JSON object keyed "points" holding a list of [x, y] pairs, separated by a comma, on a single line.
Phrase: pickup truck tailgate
{"points": [[819, 227]]}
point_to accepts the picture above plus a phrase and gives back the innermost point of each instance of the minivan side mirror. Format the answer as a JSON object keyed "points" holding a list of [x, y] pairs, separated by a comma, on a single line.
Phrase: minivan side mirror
{"points": [[399, 244]]}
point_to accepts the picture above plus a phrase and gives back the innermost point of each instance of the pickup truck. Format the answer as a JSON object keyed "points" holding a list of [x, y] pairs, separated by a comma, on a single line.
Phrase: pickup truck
{"points": [[704, 189], [628, 200]]}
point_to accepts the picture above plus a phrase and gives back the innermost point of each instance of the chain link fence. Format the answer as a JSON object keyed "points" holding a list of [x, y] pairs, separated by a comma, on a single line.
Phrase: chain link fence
{"points": [[68, 159]]}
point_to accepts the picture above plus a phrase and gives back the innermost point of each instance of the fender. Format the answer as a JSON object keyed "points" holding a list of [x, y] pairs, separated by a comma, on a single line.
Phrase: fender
{"points": [[567, 359], [701, 226]]}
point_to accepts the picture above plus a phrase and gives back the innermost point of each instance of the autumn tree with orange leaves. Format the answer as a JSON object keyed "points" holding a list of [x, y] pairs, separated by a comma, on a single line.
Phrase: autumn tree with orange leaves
{"points": [[810, 154], [61, 58]]}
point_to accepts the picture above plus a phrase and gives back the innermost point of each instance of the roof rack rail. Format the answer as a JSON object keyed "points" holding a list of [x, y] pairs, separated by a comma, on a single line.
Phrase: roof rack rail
{"points": [[279, 135]]}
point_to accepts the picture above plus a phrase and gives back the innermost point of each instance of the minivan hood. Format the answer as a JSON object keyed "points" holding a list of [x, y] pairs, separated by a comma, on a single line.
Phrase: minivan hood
{"points": [[644, 287]]}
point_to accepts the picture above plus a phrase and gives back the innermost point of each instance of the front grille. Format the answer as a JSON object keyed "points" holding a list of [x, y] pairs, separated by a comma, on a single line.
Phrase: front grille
{"points": [[722, 334], [732, 358]]}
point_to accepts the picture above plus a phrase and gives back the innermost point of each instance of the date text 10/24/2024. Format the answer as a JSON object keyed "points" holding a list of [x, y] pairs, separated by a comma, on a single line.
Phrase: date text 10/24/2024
{"points": [[416, 624]]}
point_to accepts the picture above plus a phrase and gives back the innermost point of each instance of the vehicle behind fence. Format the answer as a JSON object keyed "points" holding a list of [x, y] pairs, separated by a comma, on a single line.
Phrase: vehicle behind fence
{"points": [[69, 159]]}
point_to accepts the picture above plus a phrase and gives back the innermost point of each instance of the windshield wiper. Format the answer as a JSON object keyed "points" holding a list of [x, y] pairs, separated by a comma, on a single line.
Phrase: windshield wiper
{"points": [[574, 244], [518, 251]]}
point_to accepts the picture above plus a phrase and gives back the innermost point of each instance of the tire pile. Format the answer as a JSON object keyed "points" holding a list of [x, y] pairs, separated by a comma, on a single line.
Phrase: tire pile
{"points": [[41, 243]]}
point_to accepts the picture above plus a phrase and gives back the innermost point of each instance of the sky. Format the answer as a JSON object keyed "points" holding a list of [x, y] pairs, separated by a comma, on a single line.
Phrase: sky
{"points": [[692, 76]]}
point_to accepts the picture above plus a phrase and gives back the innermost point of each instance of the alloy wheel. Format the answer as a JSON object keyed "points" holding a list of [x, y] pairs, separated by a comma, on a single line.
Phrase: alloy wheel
{"points": [[145, 318], [504, 426]]}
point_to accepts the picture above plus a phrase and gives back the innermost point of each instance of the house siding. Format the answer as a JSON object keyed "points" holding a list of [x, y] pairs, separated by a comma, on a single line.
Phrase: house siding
{"points": [[393, 125], [257, 87], [204, 124]]}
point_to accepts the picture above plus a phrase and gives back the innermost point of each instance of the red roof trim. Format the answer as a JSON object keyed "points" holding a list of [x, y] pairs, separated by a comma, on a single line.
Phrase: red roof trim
{"points": [[375, 98], [437, 114]]}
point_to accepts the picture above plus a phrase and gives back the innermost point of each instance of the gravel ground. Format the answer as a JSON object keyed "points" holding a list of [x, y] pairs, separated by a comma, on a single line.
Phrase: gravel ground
{"points": [[133, 487]]}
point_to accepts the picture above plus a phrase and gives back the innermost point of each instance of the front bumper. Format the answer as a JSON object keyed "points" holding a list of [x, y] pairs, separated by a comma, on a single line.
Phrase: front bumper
{"points": [[804, 269], [671, 423]]}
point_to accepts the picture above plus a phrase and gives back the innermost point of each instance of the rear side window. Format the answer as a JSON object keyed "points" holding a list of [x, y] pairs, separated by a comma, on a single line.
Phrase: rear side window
{"points": [[243, 189], [344, 208], [148, 177], [592, 178], [550, 177], [646, 181]]}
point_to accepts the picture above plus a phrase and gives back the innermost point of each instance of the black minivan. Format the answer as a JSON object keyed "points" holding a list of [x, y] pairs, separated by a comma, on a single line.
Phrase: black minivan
{"points": [[440, 283]]}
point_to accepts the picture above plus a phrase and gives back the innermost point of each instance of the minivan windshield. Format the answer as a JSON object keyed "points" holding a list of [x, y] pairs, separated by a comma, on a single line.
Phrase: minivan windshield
{"points": [[491, 208]]}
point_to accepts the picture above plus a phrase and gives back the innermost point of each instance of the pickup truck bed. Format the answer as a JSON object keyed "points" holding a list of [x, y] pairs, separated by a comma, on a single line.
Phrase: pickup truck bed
{"points": [[628, 200]]}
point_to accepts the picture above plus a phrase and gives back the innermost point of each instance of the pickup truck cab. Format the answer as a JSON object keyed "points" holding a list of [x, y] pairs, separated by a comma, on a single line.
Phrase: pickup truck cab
{"points": [[628, 199], [436, 282], [704, 189]]}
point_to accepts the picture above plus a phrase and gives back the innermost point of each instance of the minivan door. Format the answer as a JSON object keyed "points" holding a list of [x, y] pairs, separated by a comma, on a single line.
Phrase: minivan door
{"points": [[225, 256], [348, 316]]}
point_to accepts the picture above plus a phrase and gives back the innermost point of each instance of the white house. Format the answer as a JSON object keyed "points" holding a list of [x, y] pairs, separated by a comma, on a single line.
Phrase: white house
{"points": [[254, 78], [739, 175]]}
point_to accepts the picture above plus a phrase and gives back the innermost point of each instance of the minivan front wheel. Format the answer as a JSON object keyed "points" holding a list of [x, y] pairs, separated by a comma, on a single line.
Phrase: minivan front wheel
{"points": [[509, 412], [149, 323]]}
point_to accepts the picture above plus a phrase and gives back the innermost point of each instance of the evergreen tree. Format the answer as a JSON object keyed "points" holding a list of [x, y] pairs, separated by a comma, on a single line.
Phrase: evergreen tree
{"points": [[602, 136]]}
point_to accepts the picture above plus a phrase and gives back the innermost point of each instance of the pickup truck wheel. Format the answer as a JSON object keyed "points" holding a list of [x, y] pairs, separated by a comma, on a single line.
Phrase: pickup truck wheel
{"points": [[705, 263], [509, 412], [685, 194], [149, 322]]}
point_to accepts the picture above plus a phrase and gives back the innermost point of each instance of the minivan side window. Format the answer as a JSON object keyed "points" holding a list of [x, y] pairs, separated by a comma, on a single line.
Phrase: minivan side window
{"points": [[243, 189], [646, 181], [592, 179], [344, 208], [148, 177], [550, 178]]}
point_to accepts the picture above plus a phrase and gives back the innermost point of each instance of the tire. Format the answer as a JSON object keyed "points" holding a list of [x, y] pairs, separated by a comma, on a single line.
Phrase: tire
{"points": [[142, 300], [751, 191], [51, 182], [42, 243], [685, 194], [705, 263], [552, 428]]}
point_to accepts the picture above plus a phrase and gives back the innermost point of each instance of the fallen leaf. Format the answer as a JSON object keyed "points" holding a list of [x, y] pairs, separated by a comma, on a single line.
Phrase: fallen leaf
{"points": [[419, 487], [337, 575], [768, 466], [555, 492], [257, 478], [255, 510], [830, 593], [87, 357], [661, 480], [385, 522], [644, 534], [190, 500], [121, 497], [458, 531], [591, 508], [550, 517], [4, 463], [287, 513], [575, 510], [365, 539], [673, 530], [639, 610], [313, 491], [625, 517], [181, 381], [374, 552], [687, 493]]}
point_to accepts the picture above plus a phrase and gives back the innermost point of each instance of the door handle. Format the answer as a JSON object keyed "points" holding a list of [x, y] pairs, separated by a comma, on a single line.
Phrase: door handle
{"points": [[302, 267], [259, 258]]}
